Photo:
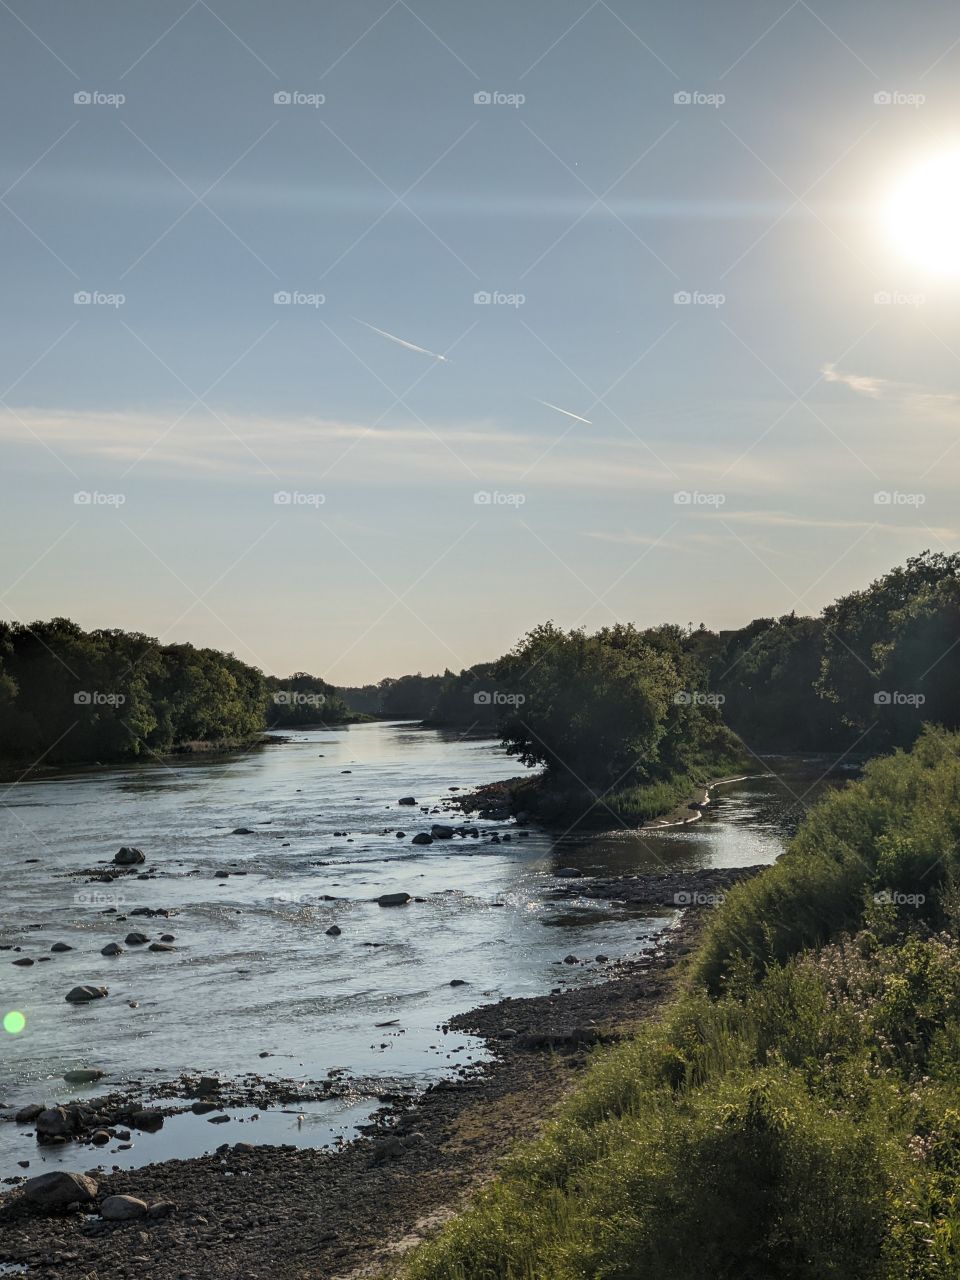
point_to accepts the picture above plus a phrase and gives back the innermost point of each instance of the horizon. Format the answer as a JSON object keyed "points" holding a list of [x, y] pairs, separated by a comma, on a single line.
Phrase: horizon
{"points": [[553, 314]]}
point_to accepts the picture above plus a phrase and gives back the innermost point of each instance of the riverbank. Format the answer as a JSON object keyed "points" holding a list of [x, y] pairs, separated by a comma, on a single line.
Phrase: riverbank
{"points": [[261, 1211], [520, 798]]}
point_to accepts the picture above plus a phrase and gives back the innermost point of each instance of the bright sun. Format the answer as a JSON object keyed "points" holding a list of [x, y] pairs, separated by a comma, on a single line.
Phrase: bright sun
{"points": [[922, 214]]}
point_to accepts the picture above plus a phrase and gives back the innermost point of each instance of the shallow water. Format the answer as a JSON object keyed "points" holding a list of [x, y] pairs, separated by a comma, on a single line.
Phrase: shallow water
{"points": [[253, 970]]}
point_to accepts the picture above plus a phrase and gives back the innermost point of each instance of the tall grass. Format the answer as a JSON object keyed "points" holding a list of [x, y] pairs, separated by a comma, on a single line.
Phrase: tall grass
{"points": [[795, 1114]]}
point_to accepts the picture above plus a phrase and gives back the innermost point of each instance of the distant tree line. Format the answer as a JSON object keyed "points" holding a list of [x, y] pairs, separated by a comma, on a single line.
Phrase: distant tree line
{"points": [[872, 668], [72, 695]]}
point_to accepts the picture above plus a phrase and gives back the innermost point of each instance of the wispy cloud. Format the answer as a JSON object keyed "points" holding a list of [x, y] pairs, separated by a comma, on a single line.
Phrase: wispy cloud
{"points": [[862, 384]]}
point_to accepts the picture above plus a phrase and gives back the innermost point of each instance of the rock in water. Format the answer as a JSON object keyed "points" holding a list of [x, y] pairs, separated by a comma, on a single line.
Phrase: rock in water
{"points": [[407, 800], [393, 899], [61, 946], [440, 832], [83, 1075], [57, 1190], [55, 1122], [422, 838], [334, 931], [80, 995], [568, 873], [112, 949], [128, 856], [122, 1208], [136, 939]]}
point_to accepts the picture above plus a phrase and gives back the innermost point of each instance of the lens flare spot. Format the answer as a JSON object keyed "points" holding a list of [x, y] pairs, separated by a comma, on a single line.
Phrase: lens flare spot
{"points": [[14, 1022]]}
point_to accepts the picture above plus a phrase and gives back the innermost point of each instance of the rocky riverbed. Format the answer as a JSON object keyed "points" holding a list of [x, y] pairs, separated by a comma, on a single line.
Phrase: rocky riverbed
{"points": [[249, 1212]]}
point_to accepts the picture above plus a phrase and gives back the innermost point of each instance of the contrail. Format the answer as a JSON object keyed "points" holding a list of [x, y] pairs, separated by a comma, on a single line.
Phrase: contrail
{"points": [[411, 346], [576, 416]]}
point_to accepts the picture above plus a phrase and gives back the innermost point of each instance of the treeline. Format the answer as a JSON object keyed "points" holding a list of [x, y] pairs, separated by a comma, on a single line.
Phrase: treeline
{"points": [[873, 666], [69, 695], [795, 1113]]}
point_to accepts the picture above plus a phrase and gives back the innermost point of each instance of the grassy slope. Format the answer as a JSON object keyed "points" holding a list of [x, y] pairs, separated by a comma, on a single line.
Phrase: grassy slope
{"points": [[796, 1114]]}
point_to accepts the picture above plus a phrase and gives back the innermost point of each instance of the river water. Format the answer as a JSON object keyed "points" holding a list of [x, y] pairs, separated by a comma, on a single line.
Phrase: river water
{"points": [[254, 971]]}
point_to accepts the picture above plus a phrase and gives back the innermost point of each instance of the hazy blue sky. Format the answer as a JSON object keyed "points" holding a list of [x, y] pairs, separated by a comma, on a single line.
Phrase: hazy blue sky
{"points": [[783, 409]]}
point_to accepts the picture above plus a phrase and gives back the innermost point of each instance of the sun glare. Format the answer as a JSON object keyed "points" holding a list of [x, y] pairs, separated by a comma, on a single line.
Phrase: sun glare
{"points": [[922, 214]]}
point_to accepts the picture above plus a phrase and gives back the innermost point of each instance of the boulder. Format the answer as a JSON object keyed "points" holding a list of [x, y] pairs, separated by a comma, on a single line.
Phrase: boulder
{"points": [[83, 1075], [160, 946], [422, 838], [24, 962], [27, 1115], [55, 1122], [61, 946], [161, 1209], [128, 856], [440, 832], [167, 937], [100, 1138], [136, 939], [393, 899], [334, 931], [407, 800], [112, 949], [148, 1121], [81, 995], [568, 873], [58, 1190], [122, 1208]]}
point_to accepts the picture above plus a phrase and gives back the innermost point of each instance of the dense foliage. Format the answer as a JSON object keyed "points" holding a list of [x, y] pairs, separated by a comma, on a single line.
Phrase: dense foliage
{"points": [[795, 1115], [72, 695]]}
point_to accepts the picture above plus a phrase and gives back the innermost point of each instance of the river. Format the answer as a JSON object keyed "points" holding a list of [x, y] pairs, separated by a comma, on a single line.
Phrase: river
{"points": [[254, 971]]}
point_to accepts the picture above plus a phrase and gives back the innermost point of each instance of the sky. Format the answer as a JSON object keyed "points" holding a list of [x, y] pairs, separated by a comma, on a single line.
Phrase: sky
{"points": [[360, 338]]}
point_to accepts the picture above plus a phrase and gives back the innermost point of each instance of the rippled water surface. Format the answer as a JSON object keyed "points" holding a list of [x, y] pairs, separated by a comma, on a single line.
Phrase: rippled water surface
{"points": [[253, 970]]}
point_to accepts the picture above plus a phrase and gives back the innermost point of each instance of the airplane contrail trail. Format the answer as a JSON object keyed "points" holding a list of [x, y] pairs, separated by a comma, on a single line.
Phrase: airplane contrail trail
{"points": [[576, 416], [411, 346]]}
